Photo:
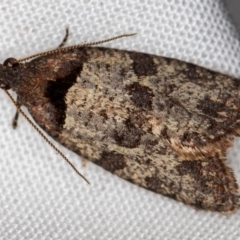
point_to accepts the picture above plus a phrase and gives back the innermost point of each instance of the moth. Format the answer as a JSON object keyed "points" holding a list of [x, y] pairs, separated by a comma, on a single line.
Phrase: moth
{"points": [[160, 123]]}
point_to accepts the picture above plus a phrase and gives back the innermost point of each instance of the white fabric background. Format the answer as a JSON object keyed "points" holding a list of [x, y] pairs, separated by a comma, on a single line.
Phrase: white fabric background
{"points": [[41, 197]]}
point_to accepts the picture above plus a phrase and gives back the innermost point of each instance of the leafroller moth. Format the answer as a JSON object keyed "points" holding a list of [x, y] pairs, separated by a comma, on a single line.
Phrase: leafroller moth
{"points": [[160, 123]]}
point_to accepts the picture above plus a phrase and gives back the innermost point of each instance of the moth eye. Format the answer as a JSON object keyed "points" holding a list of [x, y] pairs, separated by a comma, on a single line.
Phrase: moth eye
{"points": [[11, 62]]}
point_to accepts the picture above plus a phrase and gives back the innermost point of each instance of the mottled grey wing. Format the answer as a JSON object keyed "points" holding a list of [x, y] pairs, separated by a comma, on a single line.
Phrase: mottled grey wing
{"points": [[160, 123]]}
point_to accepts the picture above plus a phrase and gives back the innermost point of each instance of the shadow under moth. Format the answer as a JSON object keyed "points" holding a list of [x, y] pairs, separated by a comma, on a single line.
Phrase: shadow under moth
{"points": [[160, 123]]}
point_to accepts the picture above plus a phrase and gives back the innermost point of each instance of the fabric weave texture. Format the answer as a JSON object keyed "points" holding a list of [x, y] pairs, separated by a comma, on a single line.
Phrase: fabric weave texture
{"points": [[41, 197]]}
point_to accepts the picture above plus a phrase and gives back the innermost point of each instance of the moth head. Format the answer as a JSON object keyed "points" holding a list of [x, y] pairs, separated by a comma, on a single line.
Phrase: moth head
{"points": [[7, 72]]}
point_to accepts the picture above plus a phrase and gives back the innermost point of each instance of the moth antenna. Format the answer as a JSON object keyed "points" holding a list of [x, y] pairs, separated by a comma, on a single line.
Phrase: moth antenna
{"points": [[43, 136], [58, 50]]}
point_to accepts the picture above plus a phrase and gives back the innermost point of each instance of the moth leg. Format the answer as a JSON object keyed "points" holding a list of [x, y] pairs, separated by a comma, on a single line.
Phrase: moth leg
{"points": [[15, 119], [64, 39]]}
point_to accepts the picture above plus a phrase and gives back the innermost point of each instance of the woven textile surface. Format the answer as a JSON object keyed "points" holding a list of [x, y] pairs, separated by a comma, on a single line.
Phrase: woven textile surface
{"points": [[41, 197]]}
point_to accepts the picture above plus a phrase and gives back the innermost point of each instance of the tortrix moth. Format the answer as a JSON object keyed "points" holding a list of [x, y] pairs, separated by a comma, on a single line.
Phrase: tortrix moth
{"points": [[160, 123]]}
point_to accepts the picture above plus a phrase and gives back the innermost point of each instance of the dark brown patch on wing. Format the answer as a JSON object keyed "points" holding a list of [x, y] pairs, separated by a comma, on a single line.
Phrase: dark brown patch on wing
{"points": [[153, 183], [142, 96], [157, 184], [210, 107], [57, 90], [189, 167], [143, 64], [236, 83], [127, 135], [198, 75], [111, 161], [191, 72]]}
